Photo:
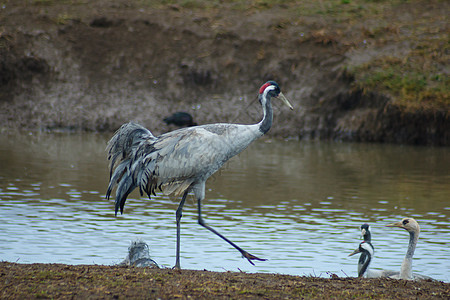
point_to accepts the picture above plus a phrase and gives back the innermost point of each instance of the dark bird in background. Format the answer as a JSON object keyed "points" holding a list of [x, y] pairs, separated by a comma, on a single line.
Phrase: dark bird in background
{"points": [[180, 119], [180, 161]]}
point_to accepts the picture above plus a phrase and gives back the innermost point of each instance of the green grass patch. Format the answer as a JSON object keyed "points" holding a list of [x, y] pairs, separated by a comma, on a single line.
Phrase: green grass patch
{"points": [[416, 81]]}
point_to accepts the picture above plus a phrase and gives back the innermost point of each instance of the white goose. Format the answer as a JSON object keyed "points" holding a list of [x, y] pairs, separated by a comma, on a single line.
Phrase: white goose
{"points": [[410, 225]]}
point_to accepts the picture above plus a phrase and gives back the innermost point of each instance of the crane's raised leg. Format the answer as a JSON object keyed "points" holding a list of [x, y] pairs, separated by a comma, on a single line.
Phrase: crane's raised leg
{"points": [[178, 215], [244, 253]]}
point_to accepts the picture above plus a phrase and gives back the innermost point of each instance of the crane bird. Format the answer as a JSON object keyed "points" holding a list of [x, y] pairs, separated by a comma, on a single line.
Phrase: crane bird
{"points": [[180, 161], [367, 251]]}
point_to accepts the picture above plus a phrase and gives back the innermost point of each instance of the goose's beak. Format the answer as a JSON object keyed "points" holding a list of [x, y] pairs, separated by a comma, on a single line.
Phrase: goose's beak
{"points": [[396, 224], [286, 101]]}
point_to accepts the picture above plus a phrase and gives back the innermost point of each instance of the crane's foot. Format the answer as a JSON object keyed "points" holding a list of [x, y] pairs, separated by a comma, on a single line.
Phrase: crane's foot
{"points": [[251, 257]]}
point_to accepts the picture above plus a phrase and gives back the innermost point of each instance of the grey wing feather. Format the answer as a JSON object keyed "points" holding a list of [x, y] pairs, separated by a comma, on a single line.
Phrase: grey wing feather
{"points": [[121, 153], [124, 141]]}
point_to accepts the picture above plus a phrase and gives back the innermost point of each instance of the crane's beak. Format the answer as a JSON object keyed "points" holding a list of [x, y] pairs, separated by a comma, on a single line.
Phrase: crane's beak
{"points": [[355, 252], [286, 101], [396, 224]]}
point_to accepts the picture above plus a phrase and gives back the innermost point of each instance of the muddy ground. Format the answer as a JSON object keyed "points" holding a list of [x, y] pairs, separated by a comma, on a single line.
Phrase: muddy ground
{"points": [[56, 281], [93, 65]]}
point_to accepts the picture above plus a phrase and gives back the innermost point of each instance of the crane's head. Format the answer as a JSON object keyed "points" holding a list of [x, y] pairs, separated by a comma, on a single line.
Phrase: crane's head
{"points": [[271, 89], [408, 224]]}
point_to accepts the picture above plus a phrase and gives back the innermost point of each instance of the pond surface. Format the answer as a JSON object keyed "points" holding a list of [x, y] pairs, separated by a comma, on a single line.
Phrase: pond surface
{"points": [[298, 204]]}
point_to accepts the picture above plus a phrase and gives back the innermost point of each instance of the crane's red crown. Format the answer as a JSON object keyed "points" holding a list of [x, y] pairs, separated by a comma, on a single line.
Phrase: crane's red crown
{"points": [[269, 83], [263, 87]]}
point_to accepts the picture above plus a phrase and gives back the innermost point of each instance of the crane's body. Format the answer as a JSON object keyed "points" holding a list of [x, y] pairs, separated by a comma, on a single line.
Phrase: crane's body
{"points": [[189, 156], [180, 161]]}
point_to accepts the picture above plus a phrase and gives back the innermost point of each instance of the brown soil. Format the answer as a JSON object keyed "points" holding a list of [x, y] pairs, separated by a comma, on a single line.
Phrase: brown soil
{"points": [[23, 281], [93, 65]]}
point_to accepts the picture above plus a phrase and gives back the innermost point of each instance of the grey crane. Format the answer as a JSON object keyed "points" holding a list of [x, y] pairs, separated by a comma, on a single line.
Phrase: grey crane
{"points": [[180, 161], [367, 251]]}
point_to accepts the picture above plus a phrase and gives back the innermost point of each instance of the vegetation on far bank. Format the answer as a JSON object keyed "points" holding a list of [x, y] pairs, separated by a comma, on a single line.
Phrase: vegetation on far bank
{"points": [[361, 70], [414, 78]]}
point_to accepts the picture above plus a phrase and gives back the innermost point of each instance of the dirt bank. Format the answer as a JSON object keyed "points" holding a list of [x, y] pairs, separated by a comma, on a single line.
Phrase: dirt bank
{"points": [[92, 65], [23, 281]]}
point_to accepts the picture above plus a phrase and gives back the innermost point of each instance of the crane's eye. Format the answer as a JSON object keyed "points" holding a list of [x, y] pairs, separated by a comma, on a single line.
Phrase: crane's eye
{"points": [[405, 222]]}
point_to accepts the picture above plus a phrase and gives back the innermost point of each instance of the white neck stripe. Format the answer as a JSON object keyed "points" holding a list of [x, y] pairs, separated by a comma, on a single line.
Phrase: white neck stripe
{"points": [[269, 88]]}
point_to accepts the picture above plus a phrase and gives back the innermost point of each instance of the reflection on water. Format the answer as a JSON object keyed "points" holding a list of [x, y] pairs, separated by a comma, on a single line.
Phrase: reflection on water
{"points": [[298, 204]]}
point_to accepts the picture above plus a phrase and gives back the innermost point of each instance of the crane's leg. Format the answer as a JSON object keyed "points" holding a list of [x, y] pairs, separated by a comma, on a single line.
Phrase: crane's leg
{"points": [[244, 253], [178, 215]]}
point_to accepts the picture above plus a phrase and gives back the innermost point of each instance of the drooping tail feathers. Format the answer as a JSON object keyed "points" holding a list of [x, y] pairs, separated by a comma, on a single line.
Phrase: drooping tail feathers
{"points": [[121, 151]]}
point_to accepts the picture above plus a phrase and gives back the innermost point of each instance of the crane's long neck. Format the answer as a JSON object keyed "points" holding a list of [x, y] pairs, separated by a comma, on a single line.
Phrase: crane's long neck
{"points": [[266, 122], [406, 269], [238, 137]]}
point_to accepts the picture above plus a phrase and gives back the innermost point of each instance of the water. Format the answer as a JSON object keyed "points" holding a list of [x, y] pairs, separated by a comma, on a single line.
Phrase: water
{"points": [[298, 204]]}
